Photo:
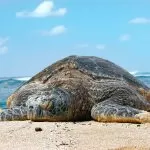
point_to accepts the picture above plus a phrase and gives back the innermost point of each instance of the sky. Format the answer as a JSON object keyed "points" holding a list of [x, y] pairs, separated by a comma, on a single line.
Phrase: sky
{"points": [[35, 34]]}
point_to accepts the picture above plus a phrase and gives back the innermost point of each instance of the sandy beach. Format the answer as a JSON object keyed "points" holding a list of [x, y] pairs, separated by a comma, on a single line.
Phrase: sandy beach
{"points": [[21, 135]]}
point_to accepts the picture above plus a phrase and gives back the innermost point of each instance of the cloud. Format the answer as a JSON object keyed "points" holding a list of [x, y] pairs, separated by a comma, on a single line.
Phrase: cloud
{"points": [[100, 46], [44, 9], [3, 47], [140, 20], [124, 37], [57, 30]]}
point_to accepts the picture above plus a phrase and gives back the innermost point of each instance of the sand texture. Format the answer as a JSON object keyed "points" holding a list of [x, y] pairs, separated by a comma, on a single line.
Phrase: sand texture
{"points": [[74, 136]]}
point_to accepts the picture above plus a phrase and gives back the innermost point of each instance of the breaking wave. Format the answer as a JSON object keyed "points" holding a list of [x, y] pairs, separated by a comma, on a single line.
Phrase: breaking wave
{"points": [[140, 74]]}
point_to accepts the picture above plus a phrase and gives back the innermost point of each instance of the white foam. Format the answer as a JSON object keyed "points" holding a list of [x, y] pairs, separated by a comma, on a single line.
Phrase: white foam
{"points": [[143, 75], [133, 72], [138, 74], [23, 78]]}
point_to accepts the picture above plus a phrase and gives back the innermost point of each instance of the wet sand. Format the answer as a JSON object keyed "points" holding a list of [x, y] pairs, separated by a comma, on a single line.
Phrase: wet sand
{"points": [[91, 135]]}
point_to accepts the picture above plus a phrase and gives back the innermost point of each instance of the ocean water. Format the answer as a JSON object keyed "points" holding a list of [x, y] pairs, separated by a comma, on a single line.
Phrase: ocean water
{"points": [[9, 85]]}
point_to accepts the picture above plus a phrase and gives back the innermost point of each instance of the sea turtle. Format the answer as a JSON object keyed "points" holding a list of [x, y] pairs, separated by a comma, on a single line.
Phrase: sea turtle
{"points": [[79, 88]]}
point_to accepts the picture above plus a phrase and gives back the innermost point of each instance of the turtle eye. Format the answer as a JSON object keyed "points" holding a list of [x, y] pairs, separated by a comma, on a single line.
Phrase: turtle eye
{"points": [[30, 107]]}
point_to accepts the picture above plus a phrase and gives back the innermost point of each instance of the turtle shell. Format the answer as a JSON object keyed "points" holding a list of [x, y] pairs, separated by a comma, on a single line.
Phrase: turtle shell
{"points": [[95, 67]]}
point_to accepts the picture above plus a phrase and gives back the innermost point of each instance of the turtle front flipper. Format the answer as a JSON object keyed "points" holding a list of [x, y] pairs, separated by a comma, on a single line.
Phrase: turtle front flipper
{"points": [[13, 114], [111, 112], [124, 105]]}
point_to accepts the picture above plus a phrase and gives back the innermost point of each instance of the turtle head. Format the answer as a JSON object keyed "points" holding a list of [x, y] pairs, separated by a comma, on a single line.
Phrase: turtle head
{"points": [[49, 105], [148, 96], [145, 93]]}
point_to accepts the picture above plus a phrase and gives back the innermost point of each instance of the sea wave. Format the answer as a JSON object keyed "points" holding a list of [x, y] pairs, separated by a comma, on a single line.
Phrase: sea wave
{"points": [[133, 72], [23, 78], [140, 74], [8, 86], [10, 79]]}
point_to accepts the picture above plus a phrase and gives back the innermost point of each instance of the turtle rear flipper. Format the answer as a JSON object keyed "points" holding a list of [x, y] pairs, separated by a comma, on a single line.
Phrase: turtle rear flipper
{"points": [[112, 112], [16, 113]]}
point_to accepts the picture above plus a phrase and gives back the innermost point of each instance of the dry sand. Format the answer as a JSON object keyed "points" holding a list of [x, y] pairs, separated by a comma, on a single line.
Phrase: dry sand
{"points": [[70, 136]]}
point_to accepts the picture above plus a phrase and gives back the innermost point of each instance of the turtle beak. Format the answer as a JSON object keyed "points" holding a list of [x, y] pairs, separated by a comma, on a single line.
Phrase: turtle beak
{"points": [[148, 96], [145, 93]]}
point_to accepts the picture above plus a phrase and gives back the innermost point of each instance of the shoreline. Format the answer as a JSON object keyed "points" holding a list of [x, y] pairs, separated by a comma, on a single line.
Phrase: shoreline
{"points": [[74, 135]]}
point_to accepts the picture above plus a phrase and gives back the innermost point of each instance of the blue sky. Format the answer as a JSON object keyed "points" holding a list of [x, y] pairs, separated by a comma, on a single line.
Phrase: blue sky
{"points": [[34, 34]]}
